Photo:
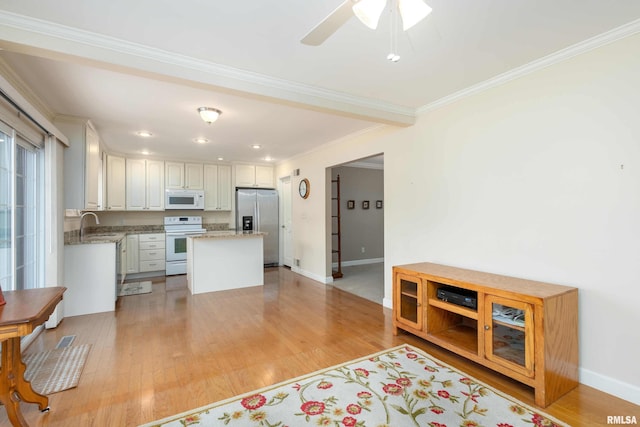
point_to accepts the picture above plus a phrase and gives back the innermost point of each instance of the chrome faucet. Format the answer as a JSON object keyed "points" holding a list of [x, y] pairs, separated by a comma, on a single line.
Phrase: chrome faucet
{"points": [[82, 217]]}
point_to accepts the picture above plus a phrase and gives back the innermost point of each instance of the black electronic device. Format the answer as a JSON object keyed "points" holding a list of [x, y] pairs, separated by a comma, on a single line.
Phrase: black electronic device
{"points": [[458, 296], [247, 223]]}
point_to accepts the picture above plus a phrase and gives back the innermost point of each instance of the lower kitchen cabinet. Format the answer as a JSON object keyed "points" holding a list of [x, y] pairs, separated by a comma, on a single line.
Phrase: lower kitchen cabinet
{"points": [[151, 255], [132, 254], [90, 275], [145, 254], [523, 329]]}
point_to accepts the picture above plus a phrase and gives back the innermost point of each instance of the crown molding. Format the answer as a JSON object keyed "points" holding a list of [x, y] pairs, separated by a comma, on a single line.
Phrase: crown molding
{"points": [[44, 35], [562, 55], [14, 80]]}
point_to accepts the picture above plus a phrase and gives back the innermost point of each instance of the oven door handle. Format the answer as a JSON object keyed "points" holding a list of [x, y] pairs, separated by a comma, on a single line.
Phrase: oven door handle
{"points": [[183, 233]]}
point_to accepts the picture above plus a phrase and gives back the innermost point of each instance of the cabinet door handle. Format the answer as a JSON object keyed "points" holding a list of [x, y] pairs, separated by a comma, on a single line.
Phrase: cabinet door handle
{"points": [[487, 327]]}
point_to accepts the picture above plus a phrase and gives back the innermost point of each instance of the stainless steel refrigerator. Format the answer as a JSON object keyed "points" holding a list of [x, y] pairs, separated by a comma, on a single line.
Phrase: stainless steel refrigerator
{"points": [[257, 210]]}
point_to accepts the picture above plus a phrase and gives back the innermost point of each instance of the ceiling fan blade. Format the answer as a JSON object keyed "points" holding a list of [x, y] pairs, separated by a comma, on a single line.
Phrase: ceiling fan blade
{"points": [[329, 25]]}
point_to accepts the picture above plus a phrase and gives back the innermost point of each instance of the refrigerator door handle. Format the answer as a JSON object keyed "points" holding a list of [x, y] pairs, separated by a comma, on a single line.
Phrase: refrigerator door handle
{"points": [[256, 214]]}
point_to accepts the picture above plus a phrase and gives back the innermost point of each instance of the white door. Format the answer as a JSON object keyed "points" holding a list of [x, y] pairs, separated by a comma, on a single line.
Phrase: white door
{"points": [[286, 236], [193, 178], [224, 187], [174, 175], [155, 185], [136, 191], [116, 172], [210, 187]]}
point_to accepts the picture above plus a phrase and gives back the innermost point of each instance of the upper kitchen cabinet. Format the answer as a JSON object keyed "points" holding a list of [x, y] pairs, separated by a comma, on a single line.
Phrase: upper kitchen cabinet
{"points": [[217, 187], [184, 175], [115, 183], [144, 184], [82, 164], [254, 176]]}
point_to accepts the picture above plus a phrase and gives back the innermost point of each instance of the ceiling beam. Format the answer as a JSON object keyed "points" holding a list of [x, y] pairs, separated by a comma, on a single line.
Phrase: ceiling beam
{"points": [[37, 37]]}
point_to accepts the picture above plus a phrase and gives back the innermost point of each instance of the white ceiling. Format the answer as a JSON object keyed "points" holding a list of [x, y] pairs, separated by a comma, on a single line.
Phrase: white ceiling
{"points": [[149, 64]]}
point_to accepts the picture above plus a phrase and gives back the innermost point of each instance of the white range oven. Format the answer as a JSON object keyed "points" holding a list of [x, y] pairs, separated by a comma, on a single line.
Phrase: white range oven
{"points": [[177, 228]]}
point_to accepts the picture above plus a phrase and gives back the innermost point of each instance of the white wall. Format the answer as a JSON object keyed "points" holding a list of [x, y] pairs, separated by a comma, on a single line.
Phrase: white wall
{"points": [[538, 178]]}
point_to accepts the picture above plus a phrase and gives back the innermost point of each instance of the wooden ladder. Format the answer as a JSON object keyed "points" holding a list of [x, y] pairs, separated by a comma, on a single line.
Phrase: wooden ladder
{"points": [[336, 246]]}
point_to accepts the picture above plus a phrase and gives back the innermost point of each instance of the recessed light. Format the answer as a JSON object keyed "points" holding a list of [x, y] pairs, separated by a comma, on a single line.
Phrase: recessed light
{"points": [[145, 152], [220, 158], [201, 140], [256, 146], [144, 134], [268, 159]]}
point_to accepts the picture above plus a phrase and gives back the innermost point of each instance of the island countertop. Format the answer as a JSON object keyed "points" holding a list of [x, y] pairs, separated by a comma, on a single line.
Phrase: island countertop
{"points": [[227, 234]]}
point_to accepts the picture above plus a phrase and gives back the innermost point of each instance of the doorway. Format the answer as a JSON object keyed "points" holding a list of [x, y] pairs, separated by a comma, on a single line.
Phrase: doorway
{"points": [[361, 202], [286, 235]]}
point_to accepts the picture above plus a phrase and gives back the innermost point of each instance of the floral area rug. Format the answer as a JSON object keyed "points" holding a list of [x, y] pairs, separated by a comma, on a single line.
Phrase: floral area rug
{"points": [[399, 387]]}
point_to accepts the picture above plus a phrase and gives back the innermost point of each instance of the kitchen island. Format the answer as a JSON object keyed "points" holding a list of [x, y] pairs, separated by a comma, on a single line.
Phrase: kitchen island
{"points": [[223, 260]]}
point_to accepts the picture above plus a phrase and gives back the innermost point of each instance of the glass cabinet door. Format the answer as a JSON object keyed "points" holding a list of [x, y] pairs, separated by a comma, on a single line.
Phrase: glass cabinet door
{"points": [[409, 299], [508, 332]]}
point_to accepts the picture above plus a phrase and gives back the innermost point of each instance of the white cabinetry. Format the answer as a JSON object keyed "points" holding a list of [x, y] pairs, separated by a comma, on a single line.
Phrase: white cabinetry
{"points": [[90, 278], [82, 164], [193, 177], [217, 187], [145, 184], [132, 254], [152, 252], [116, 183], [184, 175], [254, 176], [145, 253]]}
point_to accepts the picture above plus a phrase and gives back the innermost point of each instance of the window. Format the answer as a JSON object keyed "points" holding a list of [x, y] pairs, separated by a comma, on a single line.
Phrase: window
{"points": [[21, 212]]}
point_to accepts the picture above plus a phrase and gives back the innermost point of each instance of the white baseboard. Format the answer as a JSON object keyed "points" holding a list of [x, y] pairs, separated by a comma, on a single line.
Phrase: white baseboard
{"points": [[387, 302], [359, 262], [626, 391], [321, 279]]}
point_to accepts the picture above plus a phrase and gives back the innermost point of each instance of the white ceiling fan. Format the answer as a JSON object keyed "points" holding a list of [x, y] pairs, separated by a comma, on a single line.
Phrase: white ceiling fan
{"points": [[368, 12]]}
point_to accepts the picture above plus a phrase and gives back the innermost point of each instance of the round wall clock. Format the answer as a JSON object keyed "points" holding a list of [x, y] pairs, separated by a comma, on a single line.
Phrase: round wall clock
{"points": [[304, 188]]}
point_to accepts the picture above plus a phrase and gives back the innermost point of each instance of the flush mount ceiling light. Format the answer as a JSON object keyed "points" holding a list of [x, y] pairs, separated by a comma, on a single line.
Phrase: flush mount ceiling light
{"points": [[256, 146], [411, 11], [209, 114], [201, 140], [144, 134]]}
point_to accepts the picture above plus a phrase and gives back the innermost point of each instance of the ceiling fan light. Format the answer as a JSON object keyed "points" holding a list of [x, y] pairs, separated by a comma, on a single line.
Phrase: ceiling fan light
{"points": [[412, 12], [369, 11], [209, 114]]}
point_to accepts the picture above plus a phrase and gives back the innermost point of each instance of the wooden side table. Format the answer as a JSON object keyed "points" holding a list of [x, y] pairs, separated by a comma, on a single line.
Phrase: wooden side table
{"points": [[23, 312]]}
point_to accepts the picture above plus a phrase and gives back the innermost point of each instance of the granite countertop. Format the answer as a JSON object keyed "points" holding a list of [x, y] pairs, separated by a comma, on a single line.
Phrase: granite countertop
{"points": [[228, 234], [113, 234], [94, 238]]}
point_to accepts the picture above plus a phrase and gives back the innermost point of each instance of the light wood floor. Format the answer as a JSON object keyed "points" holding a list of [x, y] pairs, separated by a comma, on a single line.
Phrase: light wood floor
{"points": [[168, 352]]}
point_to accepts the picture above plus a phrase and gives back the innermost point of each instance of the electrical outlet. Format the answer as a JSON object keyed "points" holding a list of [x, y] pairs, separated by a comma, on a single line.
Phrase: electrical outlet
{"points": [[296, 261], [362, 249]]}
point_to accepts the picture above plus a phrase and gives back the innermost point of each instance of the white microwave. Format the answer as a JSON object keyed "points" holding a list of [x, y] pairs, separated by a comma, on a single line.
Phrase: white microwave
{"points": [[184, 199]]}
